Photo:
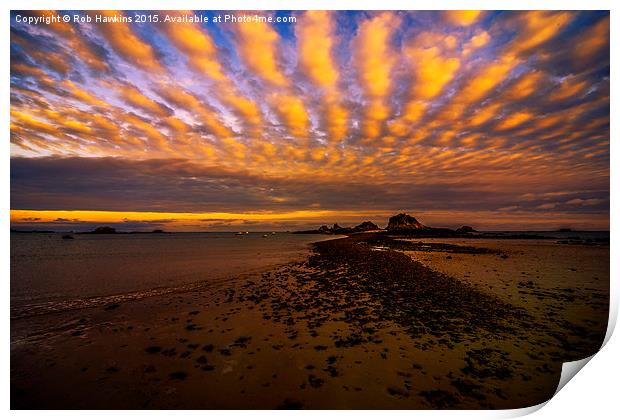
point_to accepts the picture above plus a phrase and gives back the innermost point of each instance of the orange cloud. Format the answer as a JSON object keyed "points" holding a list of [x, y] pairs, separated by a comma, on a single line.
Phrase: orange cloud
{"points": [[462, 17], [292, 112], [22, 119], [486, 79], [83, 95], [315, 42], [153, 135], [202, 55], [485, 114], [247, 108], [181, 98], [524, 86], [537, 27], [432, 69], [569, 87], [375, 113], [373, 54], [136, 98], [594, 39], [53, 60], [514, 120], [197, 46], [314, 34], [258, 45], [336, 117], [234, 148], [479, 40], [375, 59], [128, 45], [75, 43]]}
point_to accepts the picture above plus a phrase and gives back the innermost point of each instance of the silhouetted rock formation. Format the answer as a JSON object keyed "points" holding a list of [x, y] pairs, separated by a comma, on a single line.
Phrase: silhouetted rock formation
{"points": [[339, 230], [362, 227], [403, 222], [104, 230], [324, 229], [465, 229], [366, 226]]}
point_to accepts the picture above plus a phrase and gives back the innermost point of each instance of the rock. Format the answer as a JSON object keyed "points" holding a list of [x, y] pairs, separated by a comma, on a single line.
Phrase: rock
{"points": [[291, 405], [365, 226], [104, 230], [465, 229], [404, 222], [336, 229], [178, 375]]}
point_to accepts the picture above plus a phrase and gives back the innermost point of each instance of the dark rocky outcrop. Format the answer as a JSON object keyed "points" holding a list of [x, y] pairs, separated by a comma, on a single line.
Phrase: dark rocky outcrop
{"points": [[466, 229], [104, 230], [324, 229], [336, 229], [362, 227], [366, 226], [403, 222]]}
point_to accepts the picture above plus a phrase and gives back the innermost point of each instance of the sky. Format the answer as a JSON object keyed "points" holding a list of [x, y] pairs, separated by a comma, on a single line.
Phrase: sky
{"points": [[499, 120]]}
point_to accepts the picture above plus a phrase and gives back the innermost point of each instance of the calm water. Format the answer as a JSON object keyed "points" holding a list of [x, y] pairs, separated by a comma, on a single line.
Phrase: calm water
{"points": [[50, 273], [577, 234]]}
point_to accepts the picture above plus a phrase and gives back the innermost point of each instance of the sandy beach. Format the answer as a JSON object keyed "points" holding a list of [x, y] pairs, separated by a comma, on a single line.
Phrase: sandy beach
{"points": [[368, 321]]}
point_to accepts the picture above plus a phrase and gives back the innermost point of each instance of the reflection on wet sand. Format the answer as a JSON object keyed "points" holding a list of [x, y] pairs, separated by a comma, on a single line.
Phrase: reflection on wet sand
{"points": [[352, 326]]}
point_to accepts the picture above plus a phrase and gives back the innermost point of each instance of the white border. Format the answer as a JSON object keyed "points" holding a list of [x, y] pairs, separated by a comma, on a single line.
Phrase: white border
{"points": [[592, 394]]}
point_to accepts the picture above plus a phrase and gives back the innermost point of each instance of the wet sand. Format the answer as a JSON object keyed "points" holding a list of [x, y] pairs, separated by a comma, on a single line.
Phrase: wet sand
{"points": [[364, 322]]}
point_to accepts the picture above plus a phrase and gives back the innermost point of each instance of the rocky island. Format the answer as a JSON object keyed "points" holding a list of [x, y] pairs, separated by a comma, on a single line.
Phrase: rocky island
{"points": [[401, 223]]}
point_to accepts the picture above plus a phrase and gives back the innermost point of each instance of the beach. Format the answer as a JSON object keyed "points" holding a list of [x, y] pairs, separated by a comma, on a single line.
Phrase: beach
{"points": [[368, 321]]}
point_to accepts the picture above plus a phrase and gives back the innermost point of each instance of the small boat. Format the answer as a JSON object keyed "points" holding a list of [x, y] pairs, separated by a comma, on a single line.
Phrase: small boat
{"points": [[242, 233], [265, 235]]}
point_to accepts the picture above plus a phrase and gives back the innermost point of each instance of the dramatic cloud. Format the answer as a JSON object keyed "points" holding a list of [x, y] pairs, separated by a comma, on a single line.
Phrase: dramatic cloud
{"points": [[374, 59], [258, 47], [500, 118], [462, 17], [316, 39]]}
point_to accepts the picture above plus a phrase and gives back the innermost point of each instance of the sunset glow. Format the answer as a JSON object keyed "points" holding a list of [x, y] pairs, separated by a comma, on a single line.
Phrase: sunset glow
{"points": [[498, 119]]}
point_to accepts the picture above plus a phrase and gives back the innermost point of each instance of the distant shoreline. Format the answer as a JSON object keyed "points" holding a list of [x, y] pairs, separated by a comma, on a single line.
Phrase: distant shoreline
{"points": [[281, 231]]}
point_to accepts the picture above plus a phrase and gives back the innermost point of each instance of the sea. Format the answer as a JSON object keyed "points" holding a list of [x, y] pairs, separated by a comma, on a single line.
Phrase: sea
{"points": [[49, 273], [583, 235]]}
